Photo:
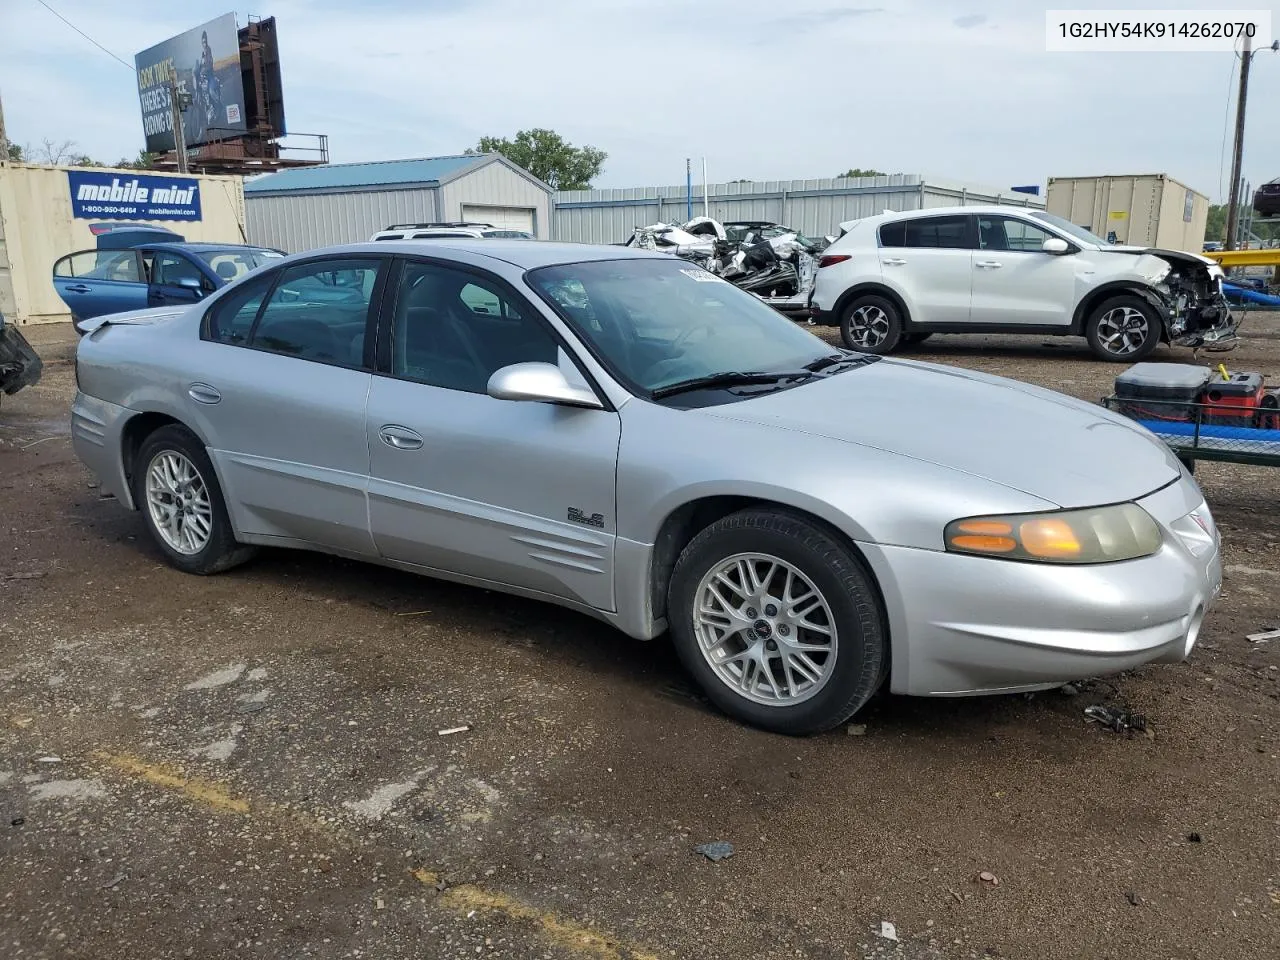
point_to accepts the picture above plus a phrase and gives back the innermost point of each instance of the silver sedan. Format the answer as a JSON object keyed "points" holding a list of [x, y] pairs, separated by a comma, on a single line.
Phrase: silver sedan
{"points": [[628, 435]]}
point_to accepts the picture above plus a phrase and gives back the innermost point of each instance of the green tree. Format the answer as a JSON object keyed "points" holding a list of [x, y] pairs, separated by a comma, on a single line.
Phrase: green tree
{"points": [[143, 161], [15, 154], [854, 172], [549, 157], [1215, 227]]}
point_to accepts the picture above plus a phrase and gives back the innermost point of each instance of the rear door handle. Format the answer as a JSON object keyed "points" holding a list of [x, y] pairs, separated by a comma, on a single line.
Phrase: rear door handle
{"points": [[402, 438], [893, 262], [993, 264], [76, 288], [203, 393]]}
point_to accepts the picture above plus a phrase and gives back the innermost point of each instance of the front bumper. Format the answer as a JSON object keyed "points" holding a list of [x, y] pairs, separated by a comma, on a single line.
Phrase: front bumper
{"points": [[964, 625]]}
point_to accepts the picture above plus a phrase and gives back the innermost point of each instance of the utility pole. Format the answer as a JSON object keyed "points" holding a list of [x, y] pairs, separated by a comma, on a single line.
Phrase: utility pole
{"points": [[1233, 204], [176, 106]]}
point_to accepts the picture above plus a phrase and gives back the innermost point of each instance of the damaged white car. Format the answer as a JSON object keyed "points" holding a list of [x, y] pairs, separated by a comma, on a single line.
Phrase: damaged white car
{"points": [[897, 278], [772, 261]]}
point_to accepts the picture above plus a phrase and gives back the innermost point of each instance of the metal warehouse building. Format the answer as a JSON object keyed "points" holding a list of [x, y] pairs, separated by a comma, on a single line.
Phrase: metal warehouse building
{"points": [[814, 207], [309, 207]]}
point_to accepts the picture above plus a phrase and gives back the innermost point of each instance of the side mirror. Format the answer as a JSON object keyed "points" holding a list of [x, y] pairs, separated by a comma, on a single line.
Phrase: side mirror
{"points": [[1055, 245], [193, 284], [540, 382]]}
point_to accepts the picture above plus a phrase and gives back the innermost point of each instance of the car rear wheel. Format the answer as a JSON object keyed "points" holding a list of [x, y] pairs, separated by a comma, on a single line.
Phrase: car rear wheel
{"points": [[1123, 329], [778, 622], [871, 324], [177, 492]]}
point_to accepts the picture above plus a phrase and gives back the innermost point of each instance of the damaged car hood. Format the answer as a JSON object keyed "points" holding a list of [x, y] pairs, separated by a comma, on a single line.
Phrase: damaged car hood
{"points": [[1045, 444]]}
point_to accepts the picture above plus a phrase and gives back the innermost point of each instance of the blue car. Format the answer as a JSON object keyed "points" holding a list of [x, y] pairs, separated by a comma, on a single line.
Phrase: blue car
{"points": [[101, 281]]}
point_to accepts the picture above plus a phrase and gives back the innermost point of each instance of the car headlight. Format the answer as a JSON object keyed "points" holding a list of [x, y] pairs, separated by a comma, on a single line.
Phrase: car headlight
{"points": [[1123, 531]]}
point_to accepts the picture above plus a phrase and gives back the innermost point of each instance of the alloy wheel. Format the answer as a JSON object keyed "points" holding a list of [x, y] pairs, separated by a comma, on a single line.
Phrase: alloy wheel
{"points": [[868, 326], [178, 502], [765, 630], [1122, 331]]}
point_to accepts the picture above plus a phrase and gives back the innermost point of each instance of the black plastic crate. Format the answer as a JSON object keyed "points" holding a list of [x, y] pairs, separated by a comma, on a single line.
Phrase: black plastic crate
{"points": [[1160, 391]]}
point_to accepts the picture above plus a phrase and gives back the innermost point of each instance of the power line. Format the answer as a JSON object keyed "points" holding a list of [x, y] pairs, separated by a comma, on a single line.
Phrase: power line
{"points": [[83, 34]]}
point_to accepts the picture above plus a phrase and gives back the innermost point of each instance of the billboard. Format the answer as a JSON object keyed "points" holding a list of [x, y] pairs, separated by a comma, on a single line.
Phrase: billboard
{"points": [[118, 196], [204, 63]]}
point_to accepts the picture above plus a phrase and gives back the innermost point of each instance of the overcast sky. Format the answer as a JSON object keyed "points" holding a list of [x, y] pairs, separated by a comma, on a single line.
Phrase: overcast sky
{"points": [[954, 89]]}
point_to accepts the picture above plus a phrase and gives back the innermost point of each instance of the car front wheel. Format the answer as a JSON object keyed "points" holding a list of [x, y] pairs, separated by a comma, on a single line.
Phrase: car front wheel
{"points": [[778, 622], [1123, 329], [178, 494], [871, 324]]}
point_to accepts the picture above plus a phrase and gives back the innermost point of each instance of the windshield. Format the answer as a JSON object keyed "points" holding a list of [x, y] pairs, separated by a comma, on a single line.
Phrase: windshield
{"points": [[656, 322], [1066, 226], [232, 264]]}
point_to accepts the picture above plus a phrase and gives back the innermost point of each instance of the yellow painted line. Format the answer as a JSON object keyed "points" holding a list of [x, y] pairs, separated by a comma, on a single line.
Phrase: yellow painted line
{"points": [[567, 934], [171, 778]]}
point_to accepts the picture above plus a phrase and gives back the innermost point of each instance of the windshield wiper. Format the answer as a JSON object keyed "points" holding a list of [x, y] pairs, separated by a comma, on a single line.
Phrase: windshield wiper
{"points": [[836, 359], [730, 378]]}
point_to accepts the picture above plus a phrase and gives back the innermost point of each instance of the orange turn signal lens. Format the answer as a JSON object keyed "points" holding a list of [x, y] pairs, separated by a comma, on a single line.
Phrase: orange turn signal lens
{"points": [[1050, 538], [986, 528], [973, 543]]}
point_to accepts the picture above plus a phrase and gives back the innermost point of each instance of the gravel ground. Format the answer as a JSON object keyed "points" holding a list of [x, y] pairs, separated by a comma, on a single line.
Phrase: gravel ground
{"points": [[252, 764]]}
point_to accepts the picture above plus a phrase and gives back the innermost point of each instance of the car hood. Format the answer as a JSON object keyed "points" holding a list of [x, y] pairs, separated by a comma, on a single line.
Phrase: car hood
{"points": [[1172, 256], [1045, 444]]}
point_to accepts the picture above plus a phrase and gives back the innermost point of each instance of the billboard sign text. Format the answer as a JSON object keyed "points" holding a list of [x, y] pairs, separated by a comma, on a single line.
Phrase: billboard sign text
{"points": [[204, 64], [117, 196]]}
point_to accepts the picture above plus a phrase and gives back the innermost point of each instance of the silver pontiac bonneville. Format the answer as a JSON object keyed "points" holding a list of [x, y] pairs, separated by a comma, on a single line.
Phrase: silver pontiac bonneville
{"points": [[628, 435]]}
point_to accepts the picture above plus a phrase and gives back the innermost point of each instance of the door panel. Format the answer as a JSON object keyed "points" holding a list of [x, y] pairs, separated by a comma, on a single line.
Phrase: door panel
{"points": [[288, 427], [1014, 281], [520, 493], [93, 283], [168, 269], [488, 489], [928, 260]]}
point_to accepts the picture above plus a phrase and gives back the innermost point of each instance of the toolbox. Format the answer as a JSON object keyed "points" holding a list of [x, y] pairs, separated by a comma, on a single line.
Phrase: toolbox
{"points": [[1269, 410], [1161, 391], [1233, 399]]}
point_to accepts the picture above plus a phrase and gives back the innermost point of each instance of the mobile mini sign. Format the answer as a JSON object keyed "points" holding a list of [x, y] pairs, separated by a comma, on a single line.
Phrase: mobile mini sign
{"points": [[118, 196]]}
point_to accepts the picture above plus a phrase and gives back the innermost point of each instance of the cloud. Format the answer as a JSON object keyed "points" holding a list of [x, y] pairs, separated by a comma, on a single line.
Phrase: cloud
{"points": [[817, 19], [970, 20]]}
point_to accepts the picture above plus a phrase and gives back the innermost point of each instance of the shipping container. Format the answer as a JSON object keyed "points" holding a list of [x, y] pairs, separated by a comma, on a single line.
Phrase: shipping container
{"points": [[41, 220], [814, 207], [1147, 210]]}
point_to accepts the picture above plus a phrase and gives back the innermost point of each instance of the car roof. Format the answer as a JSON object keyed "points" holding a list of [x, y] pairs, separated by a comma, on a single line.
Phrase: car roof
{"points": [[972, 209], [519, 253], [205, 246]]}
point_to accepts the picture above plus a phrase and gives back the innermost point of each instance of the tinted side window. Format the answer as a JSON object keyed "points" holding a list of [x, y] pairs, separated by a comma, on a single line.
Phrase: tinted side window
{"points": [[946, 232], [891, 234], [231, 318], [456, 329], [169, 269], [320, 311], [120, 265]]}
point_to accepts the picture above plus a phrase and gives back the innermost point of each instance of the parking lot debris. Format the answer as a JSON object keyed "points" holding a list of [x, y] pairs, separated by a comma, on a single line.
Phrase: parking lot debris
{"points": [[715, 851], [114, 882], [1269, 634], [1133, 898], [1069, 690], [450, 731], [989, 878], [888, 931], [1116, 719], [856, 730], [49, 759], [1194, 838], [34, 575], [17, 821]]}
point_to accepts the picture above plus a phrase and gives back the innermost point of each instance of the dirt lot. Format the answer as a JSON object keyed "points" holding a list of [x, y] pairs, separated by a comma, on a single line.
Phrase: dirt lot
{"points": [[251, 764]]}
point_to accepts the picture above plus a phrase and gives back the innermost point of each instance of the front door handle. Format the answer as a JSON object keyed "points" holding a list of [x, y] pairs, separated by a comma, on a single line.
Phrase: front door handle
{"points": [[992, 264], [76, 288], [402, 438], [893, 262], [203, 393]]}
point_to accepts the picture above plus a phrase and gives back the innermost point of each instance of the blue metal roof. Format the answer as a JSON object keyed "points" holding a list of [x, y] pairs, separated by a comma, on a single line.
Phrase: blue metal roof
{"points": [[336, 176]]}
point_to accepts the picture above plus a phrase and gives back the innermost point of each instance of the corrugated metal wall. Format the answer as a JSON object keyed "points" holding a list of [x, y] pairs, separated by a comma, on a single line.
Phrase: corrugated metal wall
{"points": [[38, 228], [308, 220], [495, 185], [814, 207]]}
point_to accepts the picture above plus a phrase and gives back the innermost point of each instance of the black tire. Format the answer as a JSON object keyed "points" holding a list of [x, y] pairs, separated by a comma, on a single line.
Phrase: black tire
{"points": [[887, 313], [911, 339], [1128, 302], [861, 656], [221, 551]]}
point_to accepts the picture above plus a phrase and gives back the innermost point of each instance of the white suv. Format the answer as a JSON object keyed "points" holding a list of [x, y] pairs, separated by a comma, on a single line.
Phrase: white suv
{"points": [[898, 278], [438, 231]]}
